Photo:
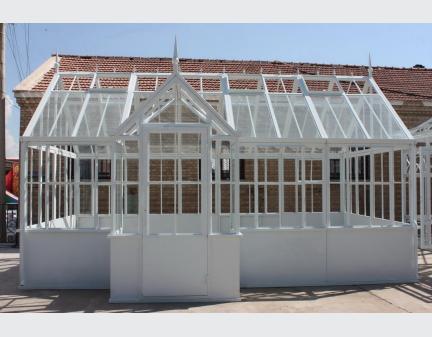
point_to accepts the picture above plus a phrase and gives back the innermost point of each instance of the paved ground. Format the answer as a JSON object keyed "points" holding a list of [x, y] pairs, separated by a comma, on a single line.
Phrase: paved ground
{"points": [[415, 297]]}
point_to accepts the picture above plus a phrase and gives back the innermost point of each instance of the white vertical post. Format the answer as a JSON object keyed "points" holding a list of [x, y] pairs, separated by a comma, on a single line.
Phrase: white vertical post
{"points": [[95, 191], [217, 184], [422, 156], [326, 186], [206, 195], [30, 195], [412, 186], [303, 191], [348, 187], [280, 187], [77, 194], [113, 196], [342, 179], [391, 187], [236, 187], [256, 209], [47, 186], [357, 181], [403, 184], [372, 188], [54, 185], [24, 198], [143, 211]]}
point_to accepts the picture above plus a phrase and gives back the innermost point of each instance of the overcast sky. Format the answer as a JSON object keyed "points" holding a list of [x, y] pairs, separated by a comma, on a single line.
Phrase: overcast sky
{"points": [[401, 45]]}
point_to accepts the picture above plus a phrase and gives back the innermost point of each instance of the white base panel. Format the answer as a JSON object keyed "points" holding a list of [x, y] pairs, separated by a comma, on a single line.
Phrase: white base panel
{"points": [[175, 268], [334, 256], [65, 259]]}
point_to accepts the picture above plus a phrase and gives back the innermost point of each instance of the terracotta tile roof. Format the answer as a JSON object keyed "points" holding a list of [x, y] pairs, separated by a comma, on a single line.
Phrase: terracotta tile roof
{"points": [[396, 83]]}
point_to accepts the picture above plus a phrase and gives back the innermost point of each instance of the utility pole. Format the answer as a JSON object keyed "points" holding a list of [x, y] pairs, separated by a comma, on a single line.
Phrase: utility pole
{"points": [[2, 134]]}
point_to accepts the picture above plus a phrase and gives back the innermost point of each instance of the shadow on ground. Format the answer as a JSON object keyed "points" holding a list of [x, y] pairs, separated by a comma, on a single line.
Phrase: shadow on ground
{"points": [[13, 299]]}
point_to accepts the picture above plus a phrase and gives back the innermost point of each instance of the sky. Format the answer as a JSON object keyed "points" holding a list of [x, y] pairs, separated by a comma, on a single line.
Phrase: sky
{"points": [[399, 45]]}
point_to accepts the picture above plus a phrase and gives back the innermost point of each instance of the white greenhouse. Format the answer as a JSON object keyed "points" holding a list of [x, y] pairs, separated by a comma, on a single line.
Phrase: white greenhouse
{"points": [[187, 186], [423, 135]]}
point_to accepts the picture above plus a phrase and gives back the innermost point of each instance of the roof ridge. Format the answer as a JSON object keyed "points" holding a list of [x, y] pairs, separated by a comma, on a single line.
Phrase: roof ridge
{"points": [[243, 61]]}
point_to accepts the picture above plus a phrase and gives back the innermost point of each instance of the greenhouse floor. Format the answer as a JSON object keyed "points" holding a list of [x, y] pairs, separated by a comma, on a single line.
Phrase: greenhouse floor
{"points": [[415, 297]]}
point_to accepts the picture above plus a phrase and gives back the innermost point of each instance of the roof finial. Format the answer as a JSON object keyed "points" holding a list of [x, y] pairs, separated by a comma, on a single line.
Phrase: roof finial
{"points": [[261, 70], [334, 71], [298, 71], [175, 59], [224, 70], [370, 70], [57, 62]]}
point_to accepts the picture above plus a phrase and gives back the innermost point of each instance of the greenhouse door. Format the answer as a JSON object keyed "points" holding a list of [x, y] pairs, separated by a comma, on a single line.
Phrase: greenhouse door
{"points": [[176, 210]]}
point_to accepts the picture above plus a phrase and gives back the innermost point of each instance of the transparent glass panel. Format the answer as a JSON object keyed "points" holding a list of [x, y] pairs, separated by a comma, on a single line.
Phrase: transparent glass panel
{"points": [[59, 115], [132, 199], [378, 120], [85, 199], [293, 116], [104, 199], [190, 143], [103, 114], [132, 169], [337, 117], [252, 116]]}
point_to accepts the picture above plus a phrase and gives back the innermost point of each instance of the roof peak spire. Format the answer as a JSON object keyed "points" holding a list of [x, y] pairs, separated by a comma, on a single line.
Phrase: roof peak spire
{"points": [[370, 69], [57, 62], [175, 59]]}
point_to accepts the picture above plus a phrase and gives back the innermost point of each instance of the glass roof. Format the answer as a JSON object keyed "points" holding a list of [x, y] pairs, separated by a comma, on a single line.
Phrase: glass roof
{"points": [[288, 107], [423, 130]]}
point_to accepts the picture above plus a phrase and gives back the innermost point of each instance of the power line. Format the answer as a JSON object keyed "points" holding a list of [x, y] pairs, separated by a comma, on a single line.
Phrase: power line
{"points": [[12, 49], [27, 43]]}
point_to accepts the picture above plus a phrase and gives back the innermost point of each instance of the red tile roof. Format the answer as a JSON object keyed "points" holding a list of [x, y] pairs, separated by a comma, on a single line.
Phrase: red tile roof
{"points": [[396, 83]]}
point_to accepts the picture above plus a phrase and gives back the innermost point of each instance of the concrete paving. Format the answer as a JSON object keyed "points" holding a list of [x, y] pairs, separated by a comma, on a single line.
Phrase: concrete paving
{"points": [[414, 297]]}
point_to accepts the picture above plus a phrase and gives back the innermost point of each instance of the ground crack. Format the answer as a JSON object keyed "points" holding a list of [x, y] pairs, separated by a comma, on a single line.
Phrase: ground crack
{"points": [[383, 299]]}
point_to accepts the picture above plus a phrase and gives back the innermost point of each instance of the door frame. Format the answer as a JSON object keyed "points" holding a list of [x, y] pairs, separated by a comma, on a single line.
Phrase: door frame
{"points": [[204, 130]]}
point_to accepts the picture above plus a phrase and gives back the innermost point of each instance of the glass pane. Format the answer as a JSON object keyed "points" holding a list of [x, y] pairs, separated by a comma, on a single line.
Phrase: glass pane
{"points": [[337, 117], [168, 170], [252, 116], [132, 199], [132, 169], [103, 114], [61, 110], [247, 198], [104, 170], [246, 170], [225, 190], [155, 199], [190, 199], [190, 143], [85, 169], [378, 120], [272, 199], [168, 199], [85, 199], [104, 200], [289, 198], [191, 169], [155, 170]]}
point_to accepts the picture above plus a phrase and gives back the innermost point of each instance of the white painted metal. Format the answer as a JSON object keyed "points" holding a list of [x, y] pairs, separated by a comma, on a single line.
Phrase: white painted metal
{"points": [[304, 247]]}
